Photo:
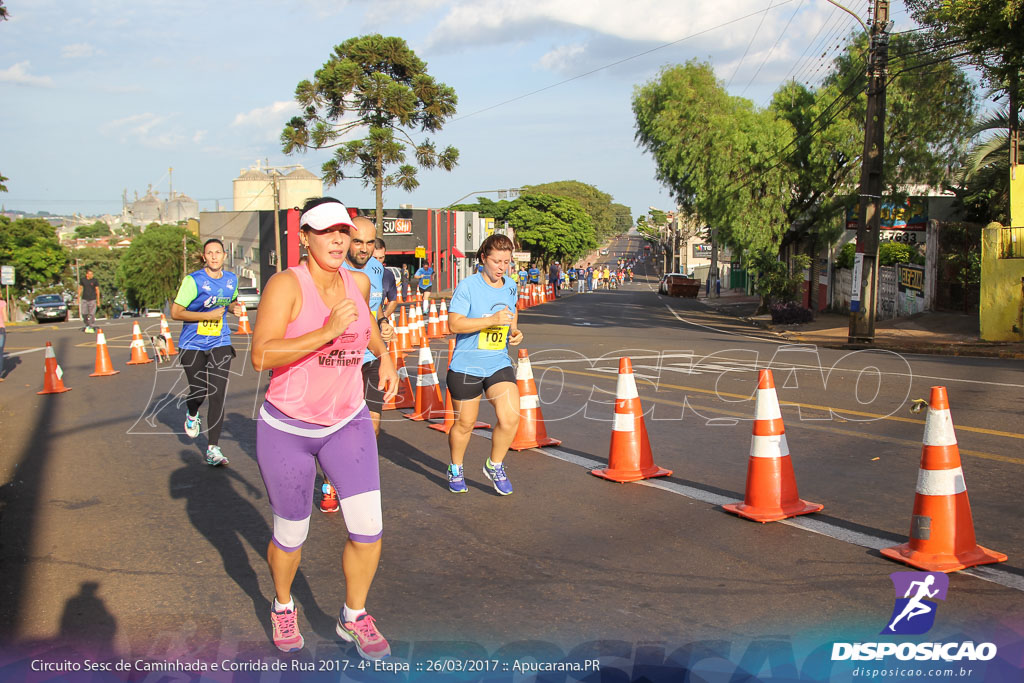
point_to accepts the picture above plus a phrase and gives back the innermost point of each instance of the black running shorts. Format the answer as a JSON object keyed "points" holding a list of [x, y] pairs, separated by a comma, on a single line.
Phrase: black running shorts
{"points": [[464, 387]]}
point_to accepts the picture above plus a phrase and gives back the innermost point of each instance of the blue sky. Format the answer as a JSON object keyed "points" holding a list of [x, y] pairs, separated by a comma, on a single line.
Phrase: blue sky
{"points": [[101, 96]]}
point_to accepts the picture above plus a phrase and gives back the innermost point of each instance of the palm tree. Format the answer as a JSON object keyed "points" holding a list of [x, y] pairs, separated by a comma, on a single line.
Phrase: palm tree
{"points": [[985, 175]]}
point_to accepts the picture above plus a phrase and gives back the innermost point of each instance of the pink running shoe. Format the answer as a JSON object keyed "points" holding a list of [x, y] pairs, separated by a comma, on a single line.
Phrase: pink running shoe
{"points": [[286, 630], [364, 634]]}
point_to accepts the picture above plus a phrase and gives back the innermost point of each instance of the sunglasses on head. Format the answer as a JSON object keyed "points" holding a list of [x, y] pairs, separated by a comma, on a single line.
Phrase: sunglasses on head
{"points": [[340, 227]]}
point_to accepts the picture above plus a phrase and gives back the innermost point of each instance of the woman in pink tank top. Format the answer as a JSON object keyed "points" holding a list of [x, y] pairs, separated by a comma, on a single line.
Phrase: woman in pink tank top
{"points": [[312, 328]]}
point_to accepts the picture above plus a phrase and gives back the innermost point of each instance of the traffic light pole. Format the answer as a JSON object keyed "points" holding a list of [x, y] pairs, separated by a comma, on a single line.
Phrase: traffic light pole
{"points": [[864, 297]]}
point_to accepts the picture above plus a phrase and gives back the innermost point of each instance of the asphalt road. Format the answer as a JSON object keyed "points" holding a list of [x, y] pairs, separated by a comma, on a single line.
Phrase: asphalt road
{"points": [[115, 533]]}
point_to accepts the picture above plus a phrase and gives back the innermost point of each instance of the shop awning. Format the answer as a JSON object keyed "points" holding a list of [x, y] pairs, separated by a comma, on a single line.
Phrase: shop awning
{"points": [[456, 253]]}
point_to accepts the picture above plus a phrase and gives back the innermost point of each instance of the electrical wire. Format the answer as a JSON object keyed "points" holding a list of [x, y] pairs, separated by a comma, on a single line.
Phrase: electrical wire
{"points": [[769, 53], [749, 44], [616, 63]]}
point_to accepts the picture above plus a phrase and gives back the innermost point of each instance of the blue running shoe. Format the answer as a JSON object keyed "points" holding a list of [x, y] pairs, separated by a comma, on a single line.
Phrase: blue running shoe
{"points": [[498, 477], [456, 479]]}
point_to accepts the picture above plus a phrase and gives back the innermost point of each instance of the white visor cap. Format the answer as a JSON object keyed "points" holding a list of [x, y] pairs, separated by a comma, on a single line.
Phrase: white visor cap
{"points": [[323, 216]]}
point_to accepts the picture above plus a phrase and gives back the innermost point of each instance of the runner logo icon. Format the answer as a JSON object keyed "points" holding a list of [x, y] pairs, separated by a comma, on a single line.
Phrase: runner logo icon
{"points": [[914, 611]]}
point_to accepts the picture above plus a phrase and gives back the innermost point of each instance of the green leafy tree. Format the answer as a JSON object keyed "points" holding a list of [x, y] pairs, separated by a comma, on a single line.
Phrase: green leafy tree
{"points": [[597, 204], [704, 142], [487, 208], [984, 188], [374, 85], [990, 31], [97, 229], [623, 218], [929, 111], [551, 228], [32, 247], [150, 270], [3, 182]]}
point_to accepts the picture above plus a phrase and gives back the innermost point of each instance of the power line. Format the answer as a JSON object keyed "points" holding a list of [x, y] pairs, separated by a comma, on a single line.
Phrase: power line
{"points": [[769, 54], [616, 63], [752, 38]]}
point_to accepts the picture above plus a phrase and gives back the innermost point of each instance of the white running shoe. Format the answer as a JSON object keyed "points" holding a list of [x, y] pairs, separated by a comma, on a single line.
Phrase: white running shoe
{"points": [[214, 457]]}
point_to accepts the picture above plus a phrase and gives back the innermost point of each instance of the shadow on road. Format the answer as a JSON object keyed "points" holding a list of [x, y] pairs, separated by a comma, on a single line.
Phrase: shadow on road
{"points": [[19, 502], [86, 624], [228, 520], [407, 456]]}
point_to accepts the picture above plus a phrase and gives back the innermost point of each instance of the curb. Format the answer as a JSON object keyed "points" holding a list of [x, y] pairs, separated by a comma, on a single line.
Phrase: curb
{"points": [[959, 349]]}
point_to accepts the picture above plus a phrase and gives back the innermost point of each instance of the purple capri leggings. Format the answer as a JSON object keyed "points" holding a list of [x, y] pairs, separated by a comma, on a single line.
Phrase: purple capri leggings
{"points": [[287, 457]]}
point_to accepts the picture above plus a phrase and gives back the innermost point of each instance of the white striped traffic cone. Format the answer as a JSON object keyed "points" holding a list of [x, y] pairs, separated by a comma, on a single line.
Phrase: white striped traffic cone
{"points": [[629, 456], [941, 528], [771, 485]]}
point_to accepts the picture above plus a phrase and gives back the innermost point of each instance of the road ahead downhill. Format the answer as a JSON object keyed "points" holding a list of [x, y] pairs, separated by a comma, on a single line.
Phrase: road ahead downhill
{"points": [[115, 533]]}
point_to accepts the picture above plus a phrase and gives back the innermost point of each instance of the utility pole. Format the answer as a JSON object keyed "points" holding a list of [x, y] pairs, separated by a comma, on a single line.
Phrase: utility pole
{"points": [[864, 299], [277, 219]]}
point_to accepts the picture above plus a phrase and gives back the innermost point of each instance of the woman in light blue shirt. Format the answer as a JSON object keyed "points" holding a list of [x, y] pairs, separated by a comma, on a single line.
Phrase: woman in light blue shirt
{"points": [[483, 315]]}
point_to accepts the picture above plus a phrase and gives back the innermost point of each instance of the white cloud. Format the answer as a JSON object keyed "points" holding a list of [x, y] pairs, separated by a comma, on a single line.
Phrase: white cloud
{"points": [[600, 32], [79, 51], [18, 73], [275, 114], [267, 122], [148, 130], [561, 58], [199, 136]]}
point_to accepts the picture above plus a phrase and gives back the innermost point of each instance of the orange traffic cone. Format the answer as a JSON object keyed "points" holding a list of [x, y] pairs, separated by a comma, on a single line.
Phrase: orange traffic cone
{"points": [[165, 332], [449, 409], [524, 299], [442, 317], [428, 394], [941, 528], [53, 376], [771, 485], [629, 456], [243, 323], [104, 367], [404, 397], [531, 432], [139, 355], [402, 332], [419, 330], [433, 323]]}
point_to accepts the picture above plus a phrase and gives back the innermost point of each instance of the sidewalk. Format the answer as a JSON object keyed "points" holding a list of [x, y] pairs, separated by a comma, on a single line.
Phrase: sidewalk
{"points": [[947, 334]]}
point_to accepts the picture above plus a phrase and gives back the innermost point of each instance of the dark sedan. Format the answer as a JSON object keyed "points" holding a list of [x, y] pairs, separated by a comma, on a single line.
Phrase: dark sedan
{"points": [[49, 307]]}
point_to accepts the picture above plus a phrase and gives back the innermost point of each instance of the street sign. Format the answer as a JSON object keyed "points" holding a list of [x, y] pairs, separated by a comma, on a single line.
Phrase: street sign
{"points": [[6, 275], [421, 252], [520, 256]]}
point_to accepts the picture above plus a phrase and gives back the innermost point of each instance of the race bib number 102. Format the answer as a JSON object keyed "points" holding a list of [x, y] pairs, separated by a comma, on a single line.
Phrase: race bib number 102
{"points": [[493, 338]]}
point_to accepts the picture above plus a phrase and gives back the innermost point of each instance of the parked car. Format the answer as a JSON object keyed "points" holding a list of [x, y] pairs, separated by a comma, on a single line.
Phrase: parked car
{"points": [[604, 252], [250, 296], [47, 307]]}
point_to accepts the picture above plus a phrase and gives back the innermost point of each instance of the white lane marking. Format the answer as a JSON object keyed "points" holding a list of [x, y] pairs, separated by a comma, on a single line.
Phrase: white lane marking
{"points": [[804, 522], [18, 353], [715, 329], [772, 365]]}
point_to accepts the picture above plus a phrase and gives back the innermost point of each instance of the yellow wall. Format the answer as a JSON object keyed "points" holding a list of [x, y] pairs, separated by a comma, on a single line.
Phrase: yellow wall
{"points": [[1002, 290], [1017, 197]]}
